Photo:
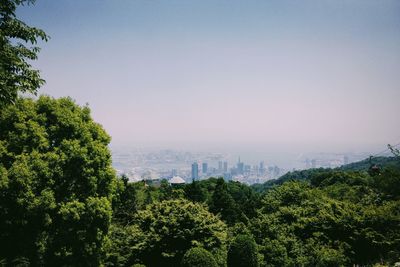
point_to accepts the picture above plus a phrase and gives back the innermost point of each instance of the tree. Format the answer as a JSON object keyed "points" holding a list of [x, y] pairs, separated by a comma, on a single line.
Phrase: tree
{"points": [[56, 183], [222, 203], [16, 73], [125, 202], [195, 192], [246, 199], [300, 225], [395, 151], [198, 257], [171, 227], [243, 252], [165, 190]]}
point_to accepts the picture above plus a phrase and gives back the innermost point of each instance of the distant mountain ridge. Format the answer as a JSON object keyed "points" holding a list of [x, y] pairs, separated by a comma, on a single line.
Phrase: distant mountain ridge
{"points": [[300, 175]]}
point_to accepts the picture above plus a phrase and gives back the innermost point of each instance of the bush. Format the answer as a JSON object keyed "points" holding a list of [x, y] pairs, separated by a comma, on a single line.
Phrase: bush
{"points": [[171, 227], [243, 252], [198, 257]]}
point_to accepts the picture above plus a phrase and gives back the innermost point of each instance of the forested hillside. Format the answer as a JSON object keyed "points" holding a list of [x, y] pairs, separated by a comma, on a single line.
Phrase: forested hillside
{"points": [[328, 218], [300, 175]]}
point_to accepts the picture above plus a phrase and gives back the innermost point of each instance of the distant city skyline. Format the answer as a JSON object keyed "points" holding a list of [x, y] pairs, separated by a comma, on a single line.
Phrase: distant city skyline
{"points": [[142, 164], [311, 75]]}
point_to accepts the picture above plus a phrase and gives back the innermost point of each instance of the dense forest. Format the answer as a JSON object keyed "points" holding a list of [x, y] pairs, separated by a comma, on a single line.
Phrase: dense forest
{"points": [[61, 203]]}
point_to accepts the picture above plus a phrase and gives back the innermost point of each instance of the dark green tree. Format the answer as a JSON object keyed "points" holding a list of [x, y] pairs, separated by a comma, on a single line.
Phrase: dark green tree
{"points": [[195, 192], [222, 203], [16, 73], [198, 257], [125, 201], [246, 199], [165, 190], [148, 197], [243, 252], [56, 183]]}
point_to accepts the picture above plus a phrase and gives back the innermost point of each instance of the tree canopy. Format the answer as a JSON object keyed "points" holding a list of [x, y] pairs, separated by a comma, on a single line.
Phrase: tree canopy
{"points": [[198, 257], [56, 183], [16, 72], [165, 230], [243, 252]]}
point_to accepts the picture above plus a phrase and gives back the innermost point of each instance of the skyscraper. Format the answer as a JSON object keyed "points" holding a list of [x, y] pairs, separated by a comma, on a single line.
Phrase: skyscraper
{"points": [[240, 167], [261, 169], [195, 171], [204, 168], [225, 166], [220, 166]]}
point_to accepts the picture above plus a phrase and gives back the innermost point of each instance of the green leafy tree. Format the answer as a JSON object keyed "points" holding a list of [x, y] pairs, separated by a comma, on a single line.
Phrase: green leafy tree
{"points": [[56, 183], [148, 196], [165, 190], [246, 199], [123, 239], [198, 257], [388, 183], [125, 202], [223, 204], [195, 192], [301, 225], [169, 228], [16, 73], [243, 252]]}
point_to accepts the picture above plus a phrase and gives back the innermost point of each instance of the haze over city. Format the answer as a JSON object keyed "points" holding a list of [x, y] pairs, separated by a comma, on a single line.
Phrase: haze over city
{"points": [[303, 76]]}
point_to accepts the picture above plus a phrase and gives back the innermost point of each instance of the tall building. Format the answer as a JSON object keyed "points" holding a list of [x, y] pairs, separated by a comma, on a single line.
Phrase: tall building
{"points": [[225, 166], [240, 167], [261, 169], [220, 166], [195, 171], [204, 168]]}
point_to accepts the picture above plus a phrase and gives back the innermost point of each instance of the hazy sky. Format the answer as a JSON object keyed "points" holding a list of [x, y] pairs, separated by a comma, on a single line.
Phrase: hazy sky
{"points": [[320, 73]]}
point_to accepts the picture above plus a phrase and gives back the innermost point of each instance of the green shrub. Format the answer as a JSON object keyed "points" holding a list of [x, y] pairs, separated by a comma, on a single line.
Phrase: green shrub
{"points": [[198, 257], [243, 252]]}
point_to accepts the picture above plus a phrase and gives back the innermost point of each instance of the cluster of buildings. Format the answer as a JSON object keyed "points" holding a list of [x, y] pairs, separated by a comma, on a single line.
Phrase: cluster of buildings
{"points": [[242, 172], [156, 165]]}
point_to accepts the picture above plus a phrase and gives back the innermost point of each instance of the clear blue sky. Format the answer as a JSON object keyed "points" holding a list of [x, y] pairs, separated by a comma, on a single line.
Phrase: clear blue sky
{"points": [[322, 74]]}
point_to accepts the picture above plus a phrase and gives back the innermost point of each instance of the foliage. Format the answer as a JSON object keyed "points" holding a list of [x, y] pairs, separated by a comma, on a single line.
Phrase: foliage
{"points": [[243, 252], [246, 199], [222, 203], [56, 183], [365, 164], [195, 192], [302, 225], [388, 183], [16, 73], [123, 240], [171, 227], [165, 190], [125, 201], [198, 257], [302, 175]]}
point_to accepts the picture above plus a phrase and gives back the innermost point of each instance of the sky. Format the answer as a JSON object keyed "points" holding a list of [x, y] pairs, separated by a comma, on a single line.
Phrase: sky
{"points": [[314, 75]]}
